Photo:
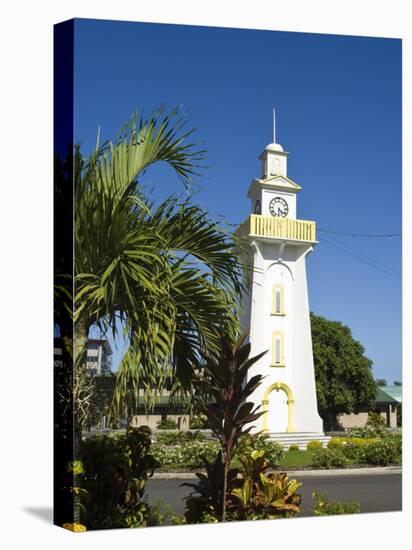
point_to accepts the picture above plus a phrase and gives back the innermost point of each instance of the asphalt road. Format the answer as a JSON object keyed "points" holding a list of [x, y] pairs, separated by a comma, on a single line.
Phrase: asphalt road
{"points": [[376, 493]]}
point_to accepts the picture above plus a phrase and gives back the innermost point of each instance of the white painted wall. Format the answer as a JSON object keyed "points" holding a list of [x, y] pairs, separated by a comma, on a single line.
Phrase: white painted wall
{"points": [[273, 164], [265, 195], [281, 262], [271, 266]]}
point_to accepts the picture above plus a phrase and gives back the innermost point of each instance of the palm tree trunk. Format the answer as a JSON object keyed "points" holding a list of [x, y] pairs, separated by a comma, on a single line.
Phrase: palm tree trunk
{"points": [[81, 331]]}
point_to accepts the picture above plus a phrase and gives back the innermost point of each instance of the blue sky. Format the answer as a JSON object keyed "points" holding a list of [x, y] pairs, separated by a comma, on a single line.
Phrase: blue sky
{"points": [[338, 102]]}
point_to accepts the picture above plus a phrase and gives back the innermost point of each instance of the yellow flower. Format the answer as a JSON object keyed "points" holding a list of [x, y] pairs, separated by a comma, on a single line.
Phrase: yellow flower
{"points": [[76, 527], [75, 467]]}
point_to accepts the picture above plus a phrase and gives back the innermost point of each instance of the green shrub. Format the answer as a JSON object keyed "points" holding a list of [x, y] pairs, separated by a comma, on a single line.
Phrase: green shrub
{"points": [[354, 452], [336, 443], [377, 423], [355, 447], [325, 507], [198, 422], [167, 424], [385, 452], [163, 514], [115, 473], [274, 452], [329, 458], [169, 438], [189, 453], [375, 427], [314, 445], [294, 448], [178, 437]]}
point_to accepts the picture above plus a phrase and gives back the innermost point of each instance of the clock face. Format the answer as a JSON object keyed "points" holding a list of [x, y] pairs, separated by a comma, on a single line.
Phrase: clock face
{"points": [[278, 207], [258, 209]]}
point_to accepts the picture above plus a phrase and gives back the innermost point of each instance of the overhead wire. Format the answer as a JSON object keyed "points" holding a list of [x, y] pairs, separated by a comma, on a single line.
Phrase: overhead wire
{"points": [[360, 256], [366, 235]]}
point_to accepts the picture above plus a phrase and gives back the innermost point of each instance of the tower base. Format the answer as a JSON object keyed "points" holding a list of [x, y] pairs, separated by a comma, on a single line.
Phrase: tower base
{"points": [[301, 439]]}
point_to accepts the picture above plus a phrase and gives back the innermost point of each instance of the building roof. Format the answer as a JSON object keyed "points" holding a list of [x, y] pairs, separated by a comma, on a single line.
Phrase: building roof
{"points": [[277, 183], [276, 147], [389, 394]]}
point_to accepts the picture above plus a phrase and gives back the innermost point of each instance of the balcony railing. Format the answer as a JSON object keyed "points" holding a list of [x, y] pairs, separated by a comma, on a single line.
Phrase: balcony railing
{"points": [[280, 228]]}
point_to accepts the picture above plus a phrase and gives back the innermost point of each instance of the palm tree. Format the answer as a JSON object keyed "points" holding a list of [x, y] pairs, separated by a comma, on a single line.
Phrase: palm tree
{"points": [[166, 276]]}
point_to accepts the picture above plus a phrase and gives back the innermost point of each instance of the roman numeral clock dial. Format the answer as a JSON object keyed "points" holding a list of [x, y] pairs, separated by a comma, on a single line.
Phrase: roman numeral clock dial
{"points": [[278, 207]]}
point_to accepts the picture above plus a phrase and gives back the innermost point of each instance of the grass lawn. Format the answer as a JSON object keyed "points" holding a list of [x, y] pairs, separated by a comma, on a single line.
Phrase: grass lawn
{"points": [[296, 459]]}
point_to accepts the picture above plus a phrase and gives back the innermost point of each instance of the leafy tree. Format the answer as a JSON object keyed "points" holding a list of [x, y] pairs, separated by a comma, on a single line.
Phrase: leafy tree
{"points": [[167, 277], [344, 380], [381, 382], [397, 383]]}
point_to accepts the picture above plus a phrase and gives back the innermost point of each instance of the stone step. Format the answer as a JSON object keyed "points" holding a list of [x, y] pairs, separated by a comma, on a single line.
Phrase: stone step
{"points": [[298, 438]]}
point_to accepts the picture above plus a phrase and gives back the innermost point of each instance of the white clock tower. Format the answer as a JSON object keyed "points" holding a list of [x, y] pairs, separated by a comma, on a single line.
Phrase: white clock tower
{"points": [[276, 307]]}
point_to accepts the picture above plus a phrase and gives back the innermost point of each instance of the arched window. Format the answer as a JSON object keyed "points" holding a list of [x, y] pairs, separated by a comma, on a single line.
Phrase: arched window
{"points": [[278, 355], [278, 302]]}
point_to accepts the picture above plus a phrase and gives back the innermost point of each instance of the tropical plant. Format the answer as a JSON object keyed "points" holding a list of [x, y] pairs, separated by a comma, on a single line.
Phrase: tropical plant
{"points": [[222, 389], [261, 495], [75, 527], [206, 502], [274, 452], [166, 277], [325, 507], [115, 474]]}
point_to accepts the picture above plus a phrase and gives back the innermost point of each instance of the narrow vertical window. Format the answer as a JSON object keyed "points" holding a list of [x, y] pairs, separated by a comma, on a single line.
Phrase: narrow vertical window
{"points": [[277, 300], [277, 350]]}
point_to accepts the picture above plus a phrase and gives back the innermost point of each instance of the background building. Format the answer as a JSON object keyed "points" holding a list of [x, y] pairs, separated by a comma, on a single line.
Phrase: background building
{"points": [[388, 404], [99, 356]]}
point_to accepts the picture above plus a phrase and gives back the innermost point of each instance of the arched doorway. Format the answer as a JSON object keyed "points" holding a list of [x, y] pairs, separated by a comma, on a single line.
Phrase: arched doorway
{"points": [[285, 421]]}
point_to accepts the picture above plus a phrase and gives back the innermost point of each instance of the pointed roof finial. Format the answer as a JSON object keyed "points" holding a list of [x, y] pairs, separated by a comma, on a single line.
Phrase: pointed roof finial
{"points": [[274, 125]]}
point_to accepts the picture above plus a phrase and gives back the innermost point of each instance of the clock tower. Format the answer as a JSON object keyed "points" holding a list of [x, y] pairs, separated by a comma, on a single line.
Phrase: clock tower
{"points": [[276, 307]]}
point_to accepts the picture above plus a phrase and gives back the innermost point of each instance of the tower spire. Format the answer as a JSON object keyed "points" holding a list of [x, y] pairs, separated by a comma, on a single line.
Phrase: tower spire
{"points": [[274, 125]]}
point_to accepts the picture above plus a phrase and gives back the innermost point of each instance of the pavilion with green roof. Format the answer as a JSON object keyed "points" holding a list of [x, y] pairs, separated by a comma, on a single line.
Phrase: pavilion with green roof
{"points": [[388, 404]]}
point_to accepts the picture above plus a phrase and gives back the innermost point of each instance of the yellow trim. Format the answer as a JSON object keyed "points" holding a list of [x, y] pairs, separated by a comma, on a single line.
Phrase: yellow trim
{"points": [[282, 300], [275, 334], [290, 402], [280, 228]]}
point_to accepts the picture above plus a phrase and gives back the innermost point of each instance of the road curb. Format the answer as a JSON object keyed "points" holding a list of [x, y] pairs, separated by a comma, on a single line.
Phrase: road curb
{"points": [[387, 470]]}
